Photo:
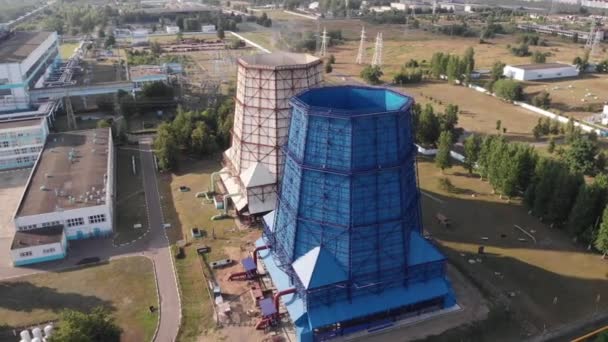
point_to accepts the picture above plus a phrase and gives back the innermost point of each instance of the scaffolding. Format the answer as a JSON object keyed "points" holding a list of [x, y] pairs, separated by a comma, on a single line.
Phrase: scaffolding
{"points": [[349, 193], [265, 83]]}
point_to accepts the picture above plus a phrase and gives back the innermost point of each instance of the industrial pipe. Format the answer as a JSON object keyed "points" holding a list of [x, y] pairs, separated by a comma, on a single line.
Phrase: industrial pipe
{"points": [[280, 294], [224, 213], [255, 253], [213, 176], [262, 324]]}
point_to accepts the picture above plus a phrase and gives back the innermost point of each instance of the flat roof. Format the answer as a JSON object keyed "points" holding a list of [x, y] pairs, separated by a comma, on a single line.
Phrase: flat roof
{"points": [[20, 123], [279, 59], [146, 72], [58, 183], [20, 45], [541, 66], [37, 237]]}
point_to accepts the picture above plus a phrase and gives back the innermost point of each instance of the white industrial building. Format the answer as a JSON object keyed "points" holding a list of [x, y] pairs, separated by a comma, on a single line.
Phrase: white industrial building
{"points": [[535, 72], [69, 196], [21, 142], [253, 163], [25, 59]]}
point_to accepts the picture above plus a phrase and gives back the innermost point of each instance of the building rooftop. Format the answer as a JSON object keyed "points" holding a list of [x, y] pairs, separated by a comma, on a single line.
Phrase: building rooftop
{"points": [[147, 73], [20, 45], [541, 66], [69, 174], [21, 123], [36, 237], [278, 59]]}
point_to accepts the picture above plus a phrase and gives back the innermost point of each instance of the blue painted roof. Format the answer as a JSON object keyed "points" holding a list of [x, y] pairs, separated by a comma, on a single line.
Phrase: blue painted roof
{"points": [[267, 307], [421, 251], [248, 264], [269, 220], [318, 268]]}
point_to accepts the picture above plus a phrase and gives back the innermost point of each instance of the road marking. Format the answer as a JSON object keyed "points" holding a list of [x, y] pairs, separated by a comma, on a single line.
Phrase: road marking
{"points": [[433, 197], [525, 232]]}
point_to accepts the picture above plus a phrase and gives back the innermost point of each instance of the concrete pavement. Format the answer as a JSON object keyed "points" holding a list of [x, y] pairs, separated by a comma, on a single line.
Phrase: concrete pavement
{"points": [[159, 250]]}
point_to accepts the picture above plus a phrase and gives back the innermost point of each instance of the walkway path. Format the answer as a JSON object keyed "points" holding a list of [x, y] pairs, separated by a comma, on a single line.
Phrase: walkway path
{"points": [[159, 250]]}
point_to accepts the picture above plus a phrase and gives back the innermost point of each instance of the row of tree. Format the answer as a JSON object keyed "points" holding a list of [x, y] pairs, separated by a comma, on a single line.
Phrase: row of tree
{"points": [[428, 124], [453, 67], [198, 133], [553, 190]]}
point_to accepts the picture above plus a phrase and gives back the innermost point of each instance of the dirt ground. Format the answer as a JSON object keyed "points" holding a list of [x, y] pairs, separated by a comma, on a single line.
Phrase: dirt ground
{"points": [[546, 284], [579, 98]]}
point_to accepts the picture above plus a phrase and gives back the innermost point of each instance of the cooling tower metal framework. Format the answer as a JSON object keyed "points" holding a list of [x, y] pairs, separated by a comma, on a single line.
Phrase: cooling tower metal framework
{"points": [[265, 83], [346, 234]]}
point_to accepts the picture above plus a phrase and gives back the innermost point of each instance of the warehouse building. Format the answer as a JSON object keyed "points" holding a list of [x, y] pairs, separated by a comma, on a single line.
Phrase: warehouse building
{"points": [[69, 196], [536, 72], [344, 248]]}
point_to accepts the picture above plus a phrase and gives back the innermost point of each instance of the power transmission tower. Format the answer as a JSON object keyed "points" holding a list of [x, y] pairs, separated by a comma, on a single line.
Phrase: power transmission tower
{"points": [[324, 37], [593, 41], [361, 53], [377, 59], [347, 10], [434, 6]]}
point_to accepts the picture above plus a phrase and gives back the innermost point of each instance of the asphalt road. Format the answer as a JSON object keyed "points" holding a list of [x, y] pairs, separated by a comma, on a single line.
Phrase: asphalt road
{"points": [[159, 250]]}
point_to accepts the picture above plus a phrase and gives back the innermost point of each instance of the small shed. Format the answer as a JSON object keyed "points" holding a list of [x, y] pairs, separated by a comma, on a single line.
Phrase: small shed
{"points": [[542, 71]]}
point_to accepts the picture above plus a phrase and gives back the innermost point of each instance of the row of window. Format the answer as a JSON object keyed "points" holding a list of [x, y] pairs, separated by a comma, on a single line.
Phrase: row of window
{"points": [[29, 253], [97, 218], [25, 160], [71, 222], [14, 143]]}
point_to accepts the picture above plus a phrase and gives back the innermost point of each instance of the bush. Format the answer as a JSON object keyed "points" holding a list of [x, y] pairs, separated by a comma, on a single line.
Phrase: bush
{"points": [[542, 100], [408, 76], [446, 185], [520, 51], [509, 90], [372, 74]]}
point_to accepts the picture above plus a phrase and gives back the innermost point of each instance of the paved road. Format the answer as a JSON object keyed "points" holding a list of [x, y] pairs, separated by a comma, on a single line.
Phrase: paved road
{"points": [[159, 250]]}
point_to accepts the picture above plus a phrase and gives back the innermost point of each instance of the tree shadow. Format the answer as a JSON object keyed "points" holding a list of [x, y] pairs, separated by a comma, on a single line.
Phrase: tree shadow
{"points": [[525, 276]]}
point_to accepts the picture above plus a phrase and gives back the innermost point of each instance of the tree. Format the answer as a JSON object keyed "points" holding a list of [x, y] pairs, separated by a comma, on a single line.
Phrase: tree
{"points": [[110, 41], [586, 209], [538, 57], [179, 36], [498, 125], [428, 126], [442, 159], [156, 48], [97, 326], [509, 90], [453, 71], [332, 59], [472, 146], [601, 242], [495, 74], [165, 147], [580, 157], [372, 74], [449, 119], [328, 68], [101, 33], [551, 146], [582, 63], [202, 141], [157, 90], [542, 100], [469, 60], [221, 34]]}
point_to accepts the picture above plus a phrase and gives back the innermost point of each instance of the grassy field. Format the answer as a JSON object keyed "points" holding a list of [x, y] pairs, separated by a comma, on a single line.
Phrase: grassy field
{"points": [[67, 49], [550, 282], [125, 286], [130, 197], [479, 112], [578, 98], [185, 211]]}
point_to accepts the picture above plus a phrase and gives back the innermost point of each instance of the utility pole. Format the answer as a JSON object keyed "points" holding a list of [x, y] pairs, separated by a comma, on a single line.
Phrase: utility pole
{"points": [[377, 59], [324, 37], [361, 53]]}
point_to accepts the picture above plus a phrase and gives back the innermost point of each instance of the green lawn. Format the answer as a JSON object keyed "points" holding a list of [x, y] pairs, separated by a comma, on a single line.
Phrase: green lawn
{"points": [[130, 198], [125, 286], [184, 211]]}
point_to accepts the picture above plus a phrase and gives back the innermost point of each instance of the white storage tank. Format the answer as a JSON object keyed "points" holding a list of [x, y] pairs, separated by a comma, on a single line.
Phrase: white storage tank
{"points": [[37, 333], [25, 336], [48, 331]]}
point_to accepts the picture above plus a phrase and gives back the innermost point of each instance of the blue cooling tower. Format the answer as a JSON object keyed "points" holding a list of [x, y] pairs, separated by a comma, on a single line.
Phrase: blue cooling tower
{"points": [[346, 234]]}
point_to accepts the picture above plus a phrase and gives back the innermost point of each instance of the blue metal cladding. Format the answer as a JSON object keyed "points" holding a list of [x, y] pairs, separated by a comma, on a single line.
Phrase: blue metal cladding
{"points": [[349, 187]]}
